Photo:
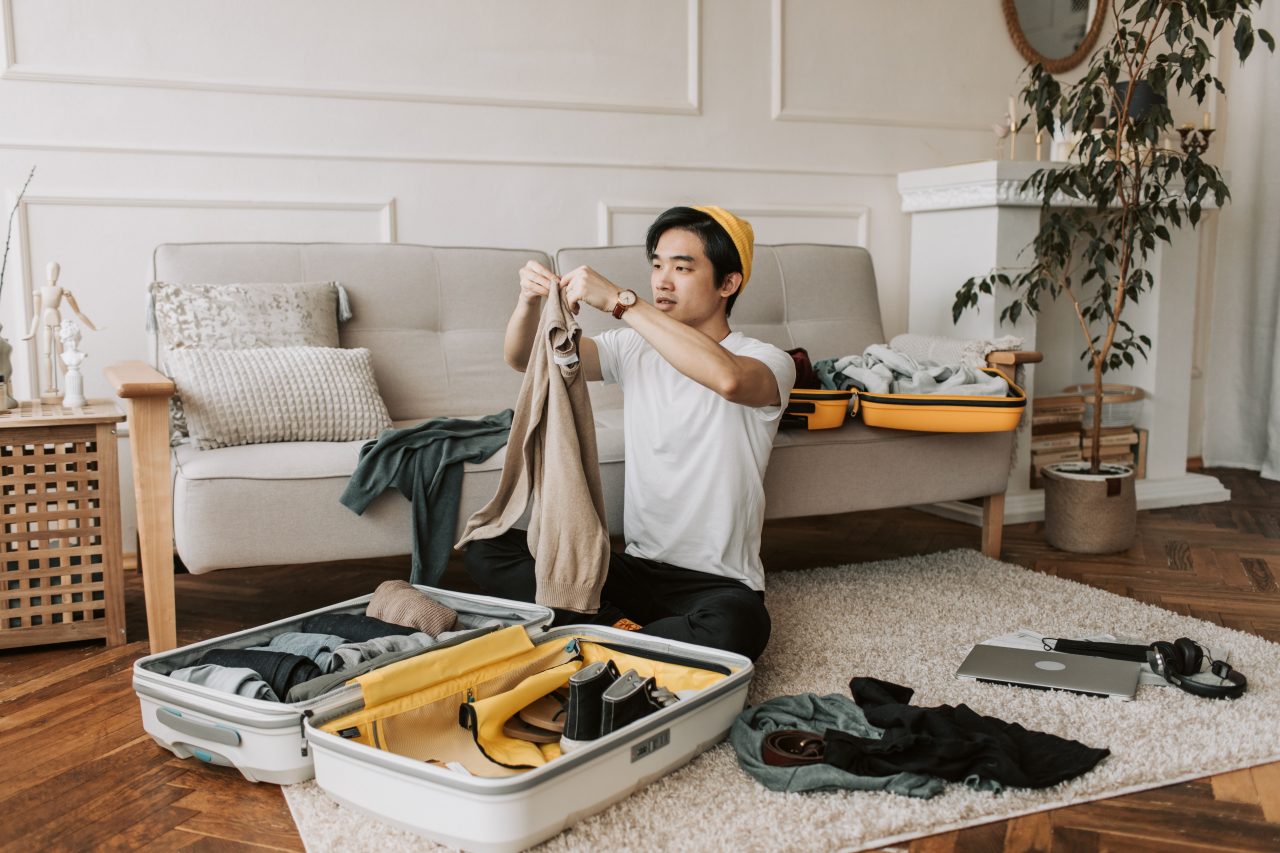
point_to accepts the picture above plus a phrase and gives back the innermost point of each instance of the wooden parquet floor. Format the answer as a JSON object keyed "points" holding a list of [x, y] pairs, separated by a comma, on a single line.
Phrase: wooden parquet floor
{"points": [[80, 774]]}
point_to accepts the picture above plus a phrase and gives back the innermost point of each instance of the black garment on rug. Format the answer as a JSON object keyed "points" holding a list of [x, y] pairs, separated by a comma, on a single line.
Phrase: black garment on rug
{"points": [[353, 627], [281, 670], [952, 743]]}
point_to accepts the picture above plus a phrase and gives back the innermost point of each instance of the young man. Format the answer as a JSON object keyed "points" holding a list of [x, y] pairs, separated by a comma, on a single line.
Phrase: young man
{"points": [[701, 407]]}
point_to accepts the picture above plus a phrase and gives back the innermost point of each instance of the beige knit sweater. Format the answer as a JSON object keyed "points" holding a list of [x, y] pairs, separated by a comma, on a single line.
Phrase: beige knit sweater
{"points": [[552, 455]]}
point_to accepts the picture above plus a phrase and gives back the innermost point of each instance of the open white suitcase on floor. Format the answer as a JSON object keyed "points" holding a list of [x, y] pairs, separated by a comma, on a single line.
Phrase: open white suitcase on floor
{"points": [[265, 740], [509, 809]]}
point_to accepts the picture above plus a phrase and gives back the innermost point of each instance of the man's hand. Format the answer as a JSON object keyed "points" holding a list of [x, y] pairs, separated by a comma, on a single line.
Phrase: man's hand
{"points": [[586, 285], [535, 282]]}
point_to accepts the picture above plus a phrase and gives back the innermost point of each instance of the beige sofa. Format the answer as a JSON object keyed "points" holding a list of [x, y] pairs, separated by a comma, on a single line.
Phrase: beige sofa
{"points": [[433, 319]]}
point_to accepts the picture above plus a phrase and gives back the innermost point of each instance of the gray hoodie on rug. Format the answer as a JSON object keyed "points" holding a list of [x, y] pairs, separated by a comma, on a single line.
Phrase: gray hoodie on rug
{"points": [[816, 714]]}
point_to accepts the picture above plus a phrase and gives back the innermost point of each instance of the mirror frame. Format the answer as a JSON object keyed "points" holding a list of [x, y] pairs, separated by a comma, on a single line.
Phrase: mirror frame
{"points": [[1053, 66]]}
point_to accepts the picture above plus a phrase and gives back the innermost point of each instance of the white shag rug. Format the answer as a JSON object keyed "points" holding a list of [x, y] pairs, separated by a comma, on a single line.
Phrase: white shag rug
{"points": [[912, 621]]}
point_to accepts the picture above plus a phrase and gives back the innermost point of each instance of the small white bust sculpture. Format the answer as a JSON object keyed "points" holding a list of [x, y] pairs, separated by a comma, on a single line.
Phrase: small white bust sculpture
{"points": [[69, 335], [48, 314]]}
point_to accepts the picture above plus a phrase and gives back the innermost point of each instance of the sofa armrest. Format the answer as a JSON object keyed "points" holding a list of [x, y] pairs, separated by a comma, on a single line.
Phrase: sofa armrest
{"points": [[146, 392], [132, 379], [1007, 361]]}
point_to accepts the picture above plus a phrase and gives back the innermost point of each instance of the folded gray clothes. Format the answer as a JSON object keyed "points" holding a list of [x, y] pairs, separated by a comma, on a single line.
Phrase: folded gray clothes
{"points": [[333, 680], [883, 370], [317, 647], [811, 713], [350, 655], [228, 679]]}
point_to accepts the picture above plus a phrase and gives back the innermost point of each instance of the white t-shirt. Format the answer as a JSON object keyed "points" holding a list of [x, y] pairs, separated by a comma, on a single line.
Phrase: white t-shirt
{"points": [[695, 461]]}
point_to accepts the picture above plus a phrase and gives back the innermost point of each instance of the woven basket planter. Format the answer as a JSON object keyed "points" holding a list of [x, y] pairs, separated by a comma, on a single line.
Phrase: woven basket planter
{"points": [[1089, 513]]}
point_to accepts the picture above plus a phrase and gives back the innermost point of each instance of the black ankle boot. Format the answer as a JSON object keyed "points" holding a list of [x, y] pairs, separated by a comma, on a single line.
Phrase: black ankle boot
{"points": [[627, 700], [586, 691]]}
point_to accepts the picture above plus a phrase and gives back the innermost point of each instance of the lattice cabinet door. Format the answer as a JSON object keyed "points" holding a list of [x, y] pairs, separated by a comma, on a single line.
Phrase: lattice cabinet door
{"points": [[60, 560]]}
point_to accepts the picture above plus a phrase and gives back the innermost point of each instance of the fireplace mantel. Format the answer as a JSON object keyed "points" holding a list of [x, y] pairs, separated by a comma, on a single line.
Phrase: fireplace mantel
{"points": [[969, 219]]}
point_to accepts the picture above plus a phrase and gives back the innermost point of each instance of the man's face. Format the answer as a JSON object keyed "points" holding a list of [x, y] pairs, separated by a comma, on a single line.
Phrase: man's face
{"points": [[682, 278]]}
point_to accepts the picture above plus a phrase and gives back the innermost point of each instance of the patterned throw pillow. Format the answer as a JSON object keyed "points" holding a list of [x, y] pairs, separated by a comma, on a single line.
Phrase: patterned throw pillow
{"points": [[255, 396], [240, 316]]}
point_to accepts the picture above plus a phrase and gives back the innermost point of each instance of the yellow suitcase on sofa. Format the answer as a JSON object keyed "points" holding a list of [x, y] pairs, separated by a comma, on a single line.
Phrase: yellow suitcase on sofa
{"points": [[819, 408], [943, 413]]}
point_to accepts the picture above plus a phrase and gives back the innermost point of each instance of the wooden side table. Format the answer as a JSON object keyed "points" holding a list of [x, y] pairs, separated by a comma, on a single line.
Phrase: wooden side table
{"points": [[60, 563]]}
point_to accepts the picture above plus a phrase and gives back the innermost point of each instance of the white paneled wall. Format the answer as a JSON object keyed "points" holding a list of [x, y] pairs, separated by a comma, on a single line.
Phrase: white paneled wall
{"points": [[487, 122]]}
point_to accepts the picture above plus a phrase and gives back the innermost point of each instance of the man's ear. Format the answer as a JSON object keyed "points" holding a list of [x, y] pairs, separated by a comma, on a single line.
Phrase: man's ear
{"points": [[732, 282]]}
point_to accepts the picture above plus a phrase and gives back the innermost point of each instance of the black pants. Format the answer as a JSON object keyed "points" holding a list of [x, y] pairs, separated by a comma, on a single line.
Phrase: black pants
{"points": [[670, 602]]}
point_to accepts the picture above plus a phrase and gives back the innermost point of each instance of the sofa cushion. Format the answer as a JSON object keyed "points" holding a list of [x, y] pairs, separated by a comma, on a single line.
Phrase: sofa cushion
{"points": [[272, 394], [857, 467], [260, 491], [240, 316]]}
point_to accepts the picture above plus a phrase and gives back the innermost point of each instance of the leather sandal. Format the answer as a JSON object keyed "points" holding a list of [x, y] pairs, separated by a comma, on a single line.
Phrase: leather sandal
{"points": [[550, 712]]}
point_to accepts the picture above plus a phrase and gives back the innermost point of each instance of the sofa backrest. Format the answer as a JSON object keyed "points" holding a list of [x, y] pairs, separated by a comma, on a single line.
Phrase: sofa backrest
{"points": [[434, 318]]}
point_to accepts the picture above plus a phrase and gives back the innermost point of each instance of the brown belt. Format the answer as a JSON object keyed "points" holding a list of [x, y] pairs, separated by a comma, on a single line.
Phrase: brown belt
{"points": [[792, 748]]}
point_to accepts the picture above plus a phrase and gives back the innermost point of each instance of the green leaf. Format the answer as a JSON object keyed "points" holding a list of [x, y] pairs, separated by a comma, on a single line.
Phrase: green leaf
{"points": [[1243, 39], [1267, 40]]}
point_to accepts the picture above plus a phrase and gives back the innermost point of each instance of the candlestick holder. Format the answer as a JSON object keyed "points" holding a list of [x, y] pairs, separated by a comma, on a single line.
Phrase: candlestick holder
{"points": [[1194, 141]]}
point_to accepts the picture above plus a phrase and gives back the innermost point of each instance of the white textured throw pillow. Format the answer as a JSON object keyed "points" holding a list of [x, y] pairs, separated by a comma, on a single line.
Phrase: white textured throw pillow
{"points": [[241, 316], [254, 396]]}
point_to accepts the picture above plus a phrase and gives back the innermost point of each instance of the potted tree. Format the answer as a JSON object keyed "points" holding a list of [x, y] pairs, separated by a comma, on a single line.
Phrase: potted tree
{"points": [[1107, 210]]}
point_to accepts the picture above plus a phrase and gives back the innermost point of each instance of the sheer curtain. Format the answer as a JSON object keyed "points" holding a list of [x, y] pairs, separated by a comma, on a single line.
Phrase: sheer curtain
{"points": [[1242, 394]]}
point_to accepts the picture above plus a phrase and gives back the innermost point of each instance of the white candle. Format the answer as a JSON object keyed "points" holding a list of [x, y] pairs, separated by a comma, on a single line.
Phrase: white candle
{"points": [[1206, 119]]}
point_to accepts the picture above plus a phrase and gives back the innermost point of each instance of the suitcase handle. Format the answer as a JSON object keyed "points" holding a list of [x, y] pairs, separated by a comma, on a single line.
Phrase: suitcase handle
{"points": [[209, 731]]}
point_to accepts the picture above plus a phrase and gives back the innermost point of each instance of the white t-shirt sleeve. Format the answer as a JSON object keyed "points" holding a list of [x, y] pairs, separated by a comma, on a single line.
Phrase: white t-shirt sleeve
{"points": [[606, 347], [783, 367], [611, 345]]}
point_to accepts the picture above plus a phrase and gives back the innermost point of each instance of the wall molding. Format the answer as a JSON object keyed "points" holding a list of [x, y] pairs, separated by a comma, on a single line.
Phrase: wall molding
{"points": [[14, 69], [384, 208], [858, 215], [443, 160], [781, 112]]}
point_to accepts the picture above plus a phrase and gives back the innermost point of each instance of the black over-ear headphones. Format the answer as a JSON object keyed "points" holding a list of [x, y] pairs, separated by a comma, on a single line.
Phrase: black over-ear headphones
{"points": [[1182, 658]]}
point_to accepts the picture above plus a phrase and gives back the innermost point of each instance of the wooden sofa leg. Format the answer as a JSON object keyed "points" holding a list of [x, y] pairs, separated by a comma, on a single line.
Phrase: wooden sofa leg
{"points": [[992, 524], [147, 393]]}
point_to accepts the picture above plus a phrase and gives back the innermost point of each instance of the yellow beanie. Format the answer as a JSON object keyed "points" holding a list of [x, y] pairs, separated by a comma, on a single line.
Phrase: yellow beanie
{"points": [[740, 232]]}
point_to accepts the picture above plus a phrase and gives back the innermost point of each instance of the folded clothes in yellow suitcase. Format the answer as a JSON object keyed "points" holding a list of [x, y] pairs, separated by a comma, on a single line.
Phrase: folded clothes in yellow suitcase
{"points": [[944, 413], [819, 408]]}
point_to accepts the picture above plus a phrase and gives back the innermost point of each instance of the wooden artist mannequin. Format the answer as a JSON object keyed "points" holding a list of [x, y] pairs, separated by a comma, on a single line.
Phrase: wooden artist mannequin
{"points": [[47, 313]]}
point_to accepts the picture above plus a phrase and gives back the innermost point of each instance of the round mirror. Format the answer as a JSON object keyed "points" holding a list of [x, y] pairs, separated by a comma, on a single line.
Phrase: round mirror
{"points": [[1056, 33]]}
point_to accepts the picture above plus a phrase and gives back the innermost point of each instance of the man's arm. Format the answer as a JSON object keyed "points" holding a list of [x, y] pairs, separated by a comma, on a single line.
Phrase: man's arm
{"points": [[739, 379], [535, 283]]}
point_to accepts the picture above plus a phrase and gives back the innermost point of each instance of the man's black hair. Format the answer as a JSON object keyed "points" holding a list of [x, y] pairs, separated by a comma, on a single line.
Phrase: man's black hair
{"points": [[716, 242]]}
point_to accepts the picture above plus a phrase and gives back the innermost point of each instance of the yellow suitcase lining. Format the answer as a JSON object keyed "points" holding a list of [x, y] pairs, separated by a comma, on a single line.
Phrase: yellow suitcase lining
{"points": [[451, 706]]}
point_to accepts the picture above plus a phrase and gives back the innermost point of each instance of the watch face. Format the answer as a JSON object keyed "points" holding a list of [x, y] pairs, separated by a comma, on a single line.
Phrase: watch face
{"points": [[627, 297]]}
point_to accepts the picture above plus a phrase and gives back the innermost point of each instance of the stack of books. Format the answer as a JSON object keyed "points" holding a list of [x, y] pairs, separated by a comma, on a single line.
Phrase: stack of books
{"points": [[1056, 429], [1123, 444]]}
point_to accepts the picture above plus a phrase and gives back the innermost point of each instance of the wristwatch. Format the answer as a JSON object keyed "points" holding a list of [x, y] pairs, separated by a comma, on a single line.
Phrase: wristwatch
{"points": [[626, 299]]}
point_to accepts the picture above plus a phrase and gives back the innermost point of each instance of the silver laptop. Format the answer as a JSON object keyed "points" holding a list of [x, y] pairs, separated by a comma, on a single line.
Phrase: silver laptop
{"points": [[1051, 671]]}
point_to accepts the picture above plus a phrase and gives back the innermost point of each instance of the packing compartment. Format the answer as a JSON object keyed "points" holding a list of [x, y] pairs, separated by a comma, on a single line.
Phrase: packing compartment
{"points": [[944, 413], [820, 408], [265, 740], [422, 746]]}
